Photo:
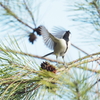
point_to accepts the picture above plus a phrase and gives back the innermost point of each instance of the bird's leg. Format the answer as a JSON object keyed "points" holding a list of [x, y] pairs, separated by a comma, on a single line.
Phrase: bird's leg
{"points": [[64, 63], [63, 60], [57, 60]]}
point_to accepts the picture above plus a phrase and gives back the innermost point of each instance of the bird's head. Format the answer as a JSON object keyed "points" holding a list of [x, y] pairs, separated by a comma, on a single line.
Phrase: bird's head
{"points": [[66, 36]]}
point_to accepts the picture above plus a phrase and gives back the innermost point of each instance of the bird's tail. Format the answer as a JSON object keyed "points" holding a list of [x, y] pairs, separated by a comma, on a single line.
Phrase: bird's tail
{"points": [[48, 54]]}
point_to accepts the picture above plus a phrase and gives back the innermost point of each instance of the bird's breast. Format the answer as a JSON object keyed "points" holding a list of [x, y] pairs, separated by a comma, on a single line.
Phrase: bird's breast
{"points": [[60, 47]]}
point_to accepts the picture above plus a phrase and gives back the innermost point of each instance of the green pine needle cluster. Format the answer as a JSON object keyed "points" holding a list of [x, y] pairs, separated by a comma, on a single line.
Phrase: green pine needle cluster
{"points": [[21, 77]]}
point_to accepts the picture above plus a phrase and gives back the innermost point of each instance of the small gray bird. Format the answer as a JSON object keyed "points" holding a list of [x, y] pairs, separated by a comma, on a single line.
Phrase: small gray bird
{"points": [[59, 42]]}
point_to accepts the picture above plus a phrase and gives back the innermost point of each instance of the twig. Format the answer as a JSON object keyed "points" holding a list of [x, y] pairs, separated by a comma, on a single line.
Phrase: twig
{"points": [[91, 55], [40, 57], [84, 52], [76, 65], [96, 82], [85, 61], [31, 55], [79, 49]]}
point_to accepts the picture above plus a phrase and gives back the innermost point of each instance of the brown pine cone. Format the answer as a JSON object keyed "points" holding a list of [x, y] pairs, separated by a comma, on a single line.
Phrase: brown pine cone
{"points": [[47, 66]]}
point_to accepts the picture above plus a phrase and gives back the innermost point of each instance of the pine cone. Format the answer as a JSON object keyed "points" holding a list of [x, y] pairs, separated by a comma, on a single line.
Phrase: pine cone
{"points": [[37, 30], [32, 37], [48, 67]]}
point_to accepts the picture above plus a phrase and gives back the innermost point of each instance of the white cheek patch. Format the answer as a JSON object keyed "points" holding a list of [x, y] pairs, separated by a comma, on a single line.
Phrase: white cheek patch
{"points": [[70, 36], [69, 43]]}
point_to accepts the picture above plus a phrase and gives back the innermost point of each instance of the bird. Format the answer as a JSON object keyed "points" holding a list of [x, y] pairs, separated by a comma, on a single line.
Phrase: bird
{"points": [[59, 42]]}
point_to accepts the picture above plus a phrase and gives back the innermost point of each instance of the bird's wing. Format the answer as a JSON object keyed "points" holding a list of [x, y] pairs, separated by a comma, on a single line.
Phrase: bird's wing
{"points": [[59, 32], [48, 38]]}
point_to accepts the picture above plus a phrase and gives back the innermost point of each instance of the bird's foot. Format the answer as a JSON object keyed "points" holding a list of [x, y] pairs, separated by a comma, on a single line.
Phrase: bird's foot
{"points": [[65, 65]]}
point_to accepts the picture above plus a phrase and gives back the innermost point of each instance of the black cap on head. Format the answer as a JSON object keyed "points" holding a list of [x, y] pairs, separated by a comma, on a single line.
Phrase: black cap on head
{"points": [[68, 32], [66, 35]]}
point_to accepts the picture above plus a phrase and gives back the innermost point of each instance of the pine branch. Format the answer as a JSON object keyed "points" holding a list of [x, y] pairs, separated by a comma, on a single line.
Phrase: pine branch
{"points": [[84, 53], [88, 56], [79, 49], [15, 16], [85, 61], [75, 63], [40, 57], [31, 55], [96, 82]]}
